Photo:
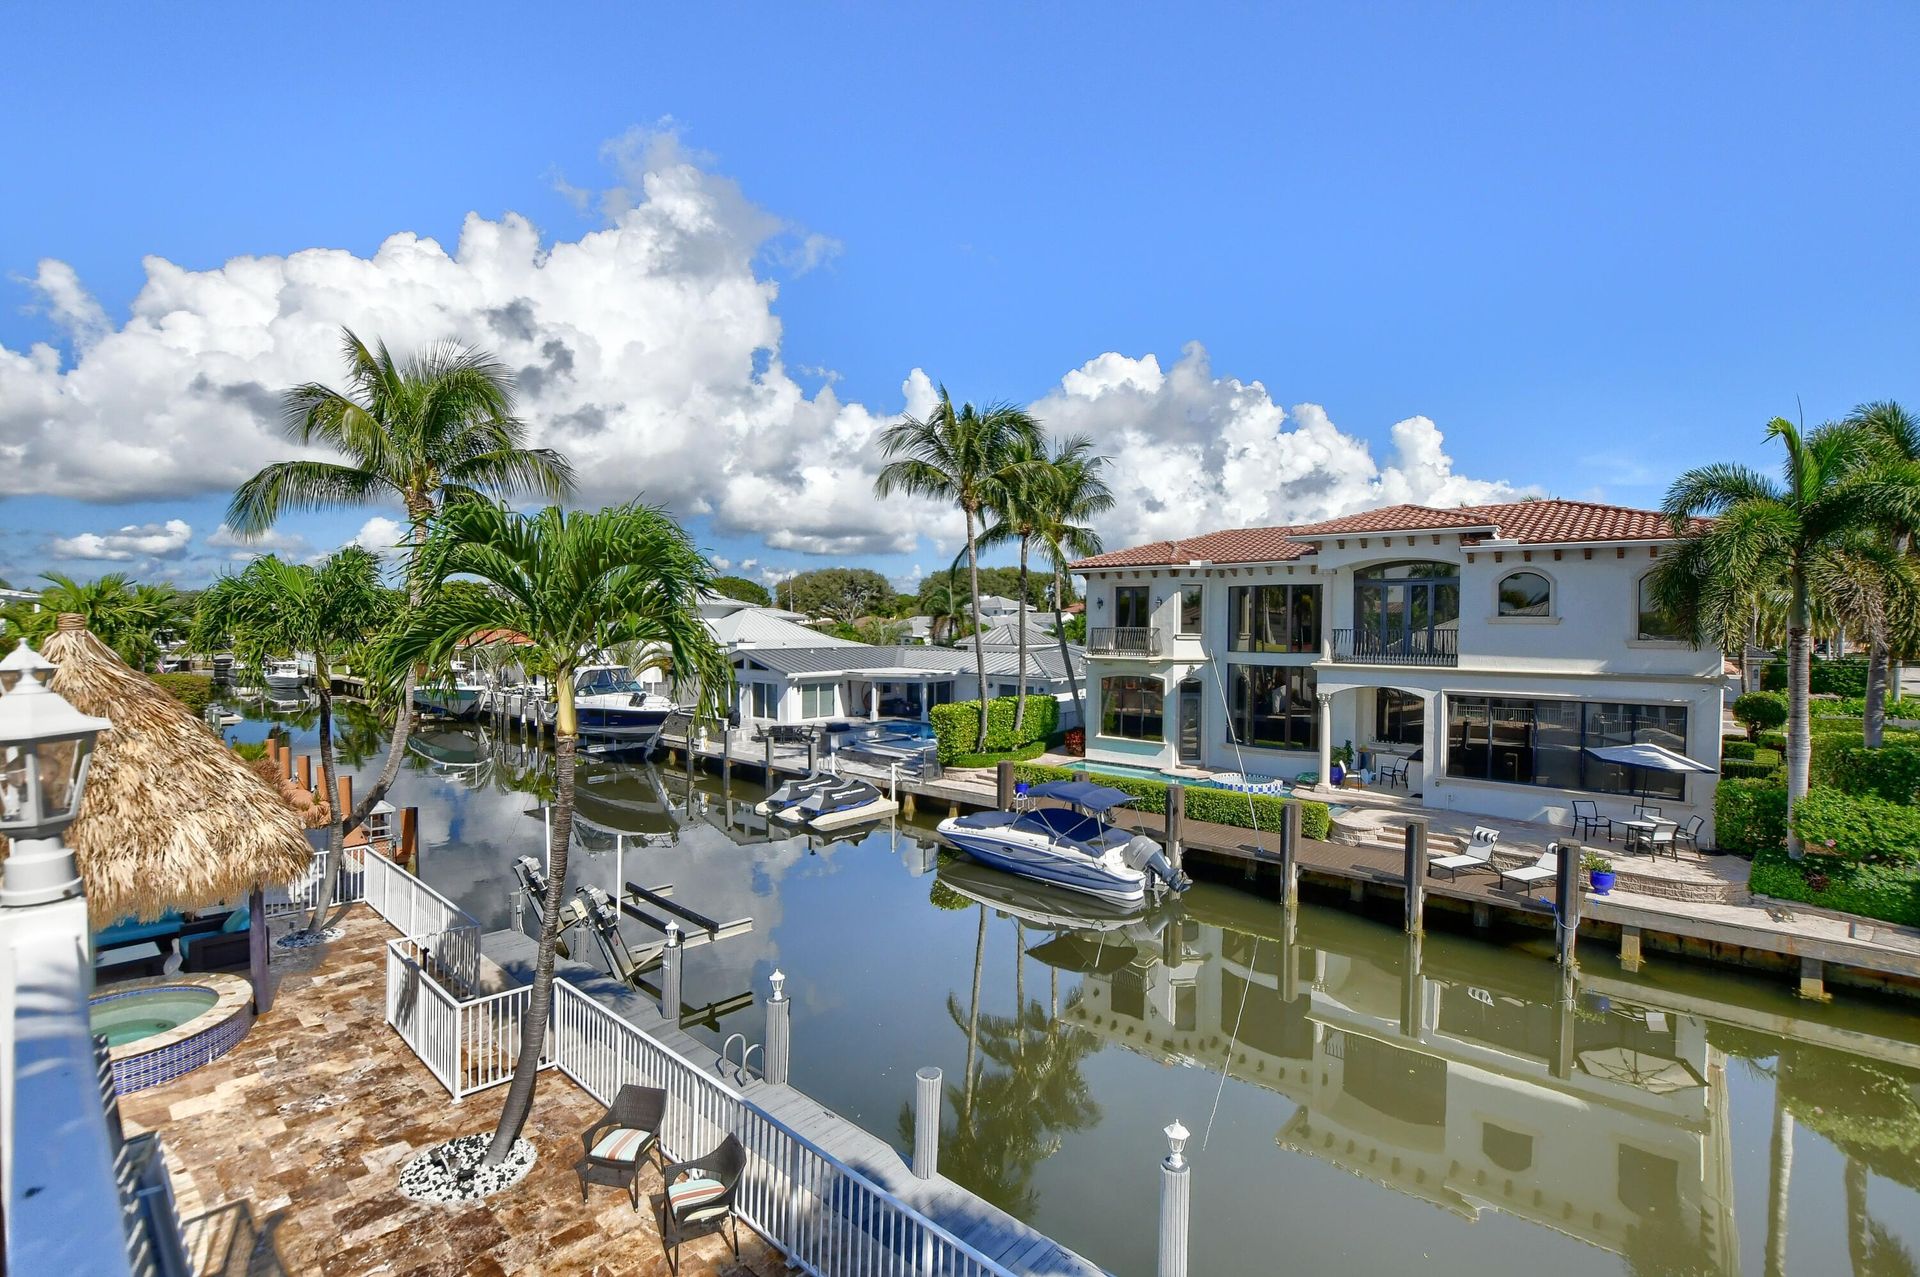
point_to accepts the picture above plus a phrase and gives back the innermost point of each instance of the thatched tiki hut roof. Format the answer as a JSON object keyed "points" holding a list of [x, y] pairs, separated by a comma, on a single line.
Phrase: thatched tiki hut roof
{"points": [[171, 818]]}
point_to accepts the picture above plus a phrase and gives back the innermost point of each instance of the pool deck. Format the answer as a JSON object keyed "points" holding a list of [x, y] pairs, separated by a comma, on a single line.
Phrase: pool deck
{"points": [[285, 1153]]}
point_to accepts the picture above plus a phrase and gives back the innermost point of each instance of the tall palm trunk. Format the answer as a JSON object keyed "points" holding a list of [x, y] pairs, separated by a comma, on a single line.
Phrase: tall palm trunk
{"points": [[973, 606], [973, 1016], [1859, 1231], [533, 1025], [1874, 729], [1799, 674], [1020, 693], [1066, 660], [419, 510], [1780, 1179], [337, 821]]}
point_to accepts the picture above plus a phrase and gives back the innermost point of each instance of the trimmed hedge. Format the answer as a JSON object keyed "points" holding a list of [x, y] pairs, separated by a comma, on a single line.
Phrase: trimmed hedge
{"points": [[956, 726], [1857, 827], [1747, 769], [1905, 707], [1891, 772], [1215, 806], [1749, 816], [1888, 892], [195, 691], [1844, 677], [1740, 749], [1760, 711], [1020, 755]]}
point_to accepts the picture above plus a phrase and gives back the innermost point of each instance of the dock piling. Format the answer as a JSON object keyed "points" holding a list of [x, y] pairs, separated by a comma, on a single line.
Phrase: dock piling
{"points": [[1567, 902], [1290, 857], [1630, 959], [1416, 872], [1003, 785], [1813, 980], [1176, 1188], [1176, 817], [306, 772], [670, 976], [926, 1123], [779, 1030]]}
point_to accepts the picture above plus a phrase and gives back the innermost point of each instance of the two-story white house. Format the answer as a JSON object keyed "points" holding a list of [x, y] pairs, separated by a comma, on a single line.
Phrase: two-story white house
{"points": [[1491, 647]]}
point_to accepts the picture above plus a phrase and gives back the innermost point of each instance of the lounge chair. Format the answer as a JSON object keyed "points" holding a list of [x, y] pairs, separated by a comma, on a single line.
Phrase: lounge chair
{"points": [[218, 942], [616, 1147], [1689, 834], [1478, 853], [1541, 870], [1588, 820], [702, 1202]]}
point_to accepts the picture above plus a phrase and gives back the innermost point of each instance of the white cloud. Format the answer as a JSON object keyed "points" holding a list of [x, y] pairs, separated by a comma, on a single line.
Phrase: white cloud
{"points": [[649, 351], [380, 535], [272, 541], [154, 540], [1191, 452]]}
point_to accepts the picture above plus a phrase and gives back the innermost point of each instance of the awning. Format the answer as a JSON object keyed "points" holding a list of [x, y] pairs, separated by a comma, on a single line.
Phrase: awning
{"points": [[1654, 758], [1082, 793]]}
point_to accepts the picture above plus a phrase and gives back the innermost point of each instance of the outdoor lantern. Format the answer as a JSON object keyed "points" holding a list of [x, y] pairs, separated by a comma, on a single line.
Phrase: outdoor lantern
{"points": [[779, 980], [1177, 1140], [23, 662], [45, 745]]}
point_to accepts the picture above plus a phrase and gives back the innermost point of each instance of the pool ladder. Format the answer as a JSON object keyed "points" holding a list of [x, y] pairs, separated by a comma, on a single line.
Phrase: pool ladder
{"points": [[747, 1049]]}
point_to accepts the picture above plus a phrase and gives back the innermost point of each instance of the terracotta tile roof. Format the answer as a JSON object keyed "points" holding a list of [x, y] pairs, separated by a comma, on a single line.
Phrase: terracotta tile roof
{"points": [[1550, 521]]}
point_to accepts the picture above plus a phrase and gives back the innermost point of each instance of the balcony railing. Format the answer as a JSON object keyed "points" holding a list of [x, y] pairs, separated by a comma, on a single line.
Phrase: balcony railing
{"points": [[1125, 640], [1397, 647]]}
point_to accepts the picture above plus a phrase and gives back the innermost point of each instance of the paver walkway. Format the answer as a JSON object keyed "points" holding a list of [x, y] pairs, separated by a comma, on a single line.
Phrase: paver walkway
{"points": [[307, 1121]]}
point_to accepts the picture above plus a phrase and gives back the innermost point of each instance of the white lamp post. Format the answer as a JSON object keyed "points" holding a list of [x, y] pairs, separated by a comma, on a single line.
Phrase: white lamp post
{"points": [[21, 662], [45, 746]]}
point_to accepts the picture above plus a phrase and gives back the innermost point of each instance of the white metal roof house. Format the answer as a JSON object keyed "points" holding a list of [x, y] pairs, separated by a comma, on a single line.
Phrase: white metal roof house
{"points": [[858, 680], [1490, 646]]}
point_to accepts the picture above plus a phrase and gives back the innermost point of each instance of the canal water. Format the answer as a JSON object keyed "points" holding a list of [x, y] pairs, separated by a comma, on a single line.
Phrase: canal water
{"points": [[1356, 1104]]}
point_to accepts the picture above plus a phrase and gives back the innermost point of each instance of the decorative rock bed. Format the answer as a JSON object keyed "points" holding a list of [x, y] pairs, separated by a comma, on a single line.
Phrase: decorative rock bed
{"points": [[306, 939], [452, 1173]]}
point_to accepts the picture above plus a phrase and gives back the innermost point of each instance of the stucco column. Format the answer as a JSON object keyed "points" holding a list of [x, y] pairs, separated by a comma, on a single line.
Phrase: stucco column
{"points": [[1325, 736]]}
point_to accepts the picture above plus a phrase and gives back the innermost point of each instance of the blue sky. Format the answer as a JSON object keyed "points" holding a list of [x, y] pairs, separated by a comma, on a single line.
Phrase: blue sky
{"points": [[1591, 247]]}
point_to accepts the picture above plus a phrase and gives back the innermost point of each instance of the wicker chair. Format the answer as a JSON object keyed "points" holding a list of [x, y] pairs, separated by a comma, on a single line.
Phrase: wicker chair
{"points": [[703, 1202], [617, 1146]]}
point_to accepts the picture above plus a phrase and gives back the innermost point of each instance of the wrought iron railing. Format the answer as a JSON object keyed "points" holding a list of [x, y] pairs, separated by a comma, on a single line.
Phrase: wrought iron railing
{"points": [[1380, 646], [1124, 640]]}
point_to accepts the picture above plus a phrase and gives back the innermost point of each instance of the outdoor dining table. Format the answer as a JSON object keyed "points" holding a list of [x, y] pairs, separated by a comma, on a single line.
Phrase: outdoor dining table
{"points": [[1641, 830]]}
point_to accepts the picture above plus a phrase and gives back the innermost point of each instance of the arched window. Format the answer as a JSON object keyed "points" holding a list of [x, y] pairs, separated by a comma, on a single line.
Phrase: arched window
{"points": [[1525, 594], [1653, 623]]}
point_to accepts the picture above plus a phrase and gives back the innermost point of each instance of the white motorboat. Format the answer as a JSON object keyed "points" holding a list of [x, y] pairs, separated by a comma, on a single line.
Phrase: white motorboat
{"points": [[612, 706], [286, 680], [839, 804], [1071, 846], [460, 695]]}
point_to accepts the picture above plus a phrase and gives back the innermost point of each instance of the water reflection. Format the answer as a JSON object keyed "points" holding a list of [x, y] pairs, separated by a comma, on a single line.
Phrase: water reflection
{"points": [[1642, 1123]]}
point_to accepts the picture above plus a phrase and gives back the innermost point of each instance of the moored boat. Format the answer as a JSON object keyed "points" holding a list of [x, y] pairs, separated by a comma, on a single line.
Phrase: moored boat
{"points": [[1071, 846]]}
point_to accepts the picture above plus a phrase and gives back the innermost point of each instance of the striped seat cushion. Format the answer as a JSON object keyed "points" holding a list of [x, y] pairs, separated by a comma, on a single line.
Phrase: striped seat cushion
{"points": [[622, 1144], [686, 1197]]}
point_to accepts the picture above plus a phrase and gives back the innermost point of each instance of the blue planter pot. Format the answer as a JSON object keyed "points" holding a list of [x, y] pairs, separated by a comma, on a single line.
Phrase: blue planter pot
{"points": [[1602, 881], [1338, 774]]}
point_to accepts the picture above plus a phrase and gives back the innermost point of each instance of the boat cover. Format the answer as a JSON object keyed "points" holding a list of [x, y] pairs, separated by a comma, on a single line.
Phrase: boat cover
{"points": [[1082, 793]]}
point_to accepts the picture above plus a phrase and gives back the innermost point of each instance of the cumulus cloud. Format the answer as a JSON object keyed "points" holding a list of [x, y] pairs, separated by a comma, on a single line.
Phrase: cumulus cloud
{"points": [[380, 535], [149, 540], [1192, 451], [649, 351], [272, 541]]}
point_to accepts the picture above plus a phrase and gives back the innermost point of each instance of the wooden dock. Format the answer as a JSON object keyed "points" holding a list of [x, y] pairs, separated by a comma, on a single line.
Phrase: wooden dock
{"points": [[985, 1227]]}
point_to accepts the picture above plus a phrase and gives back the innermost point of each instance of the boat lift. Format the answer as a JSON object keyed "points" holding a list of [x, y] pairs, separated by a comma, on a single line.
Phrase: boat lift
{"points": [[595, 910]]}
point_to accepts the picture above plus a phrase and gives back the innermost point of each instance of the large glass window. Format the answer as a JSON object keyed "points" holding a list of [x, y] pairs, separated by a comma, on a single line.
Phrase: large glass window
{"points": [[1133, 707], [1273, 618], [1653, 622], [817, 700], [1131, 607], [1189, 609], [1399, 718], [1545, 742], [1406, 607], [1274, 707], [1525, 594]]}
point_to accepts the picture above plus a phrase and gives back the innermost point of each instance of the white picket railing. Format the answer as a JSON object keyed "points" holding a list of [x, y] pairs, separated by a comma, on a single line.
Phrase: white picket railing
{"points": [[417, 910], [825, 1216], [300, 895]]}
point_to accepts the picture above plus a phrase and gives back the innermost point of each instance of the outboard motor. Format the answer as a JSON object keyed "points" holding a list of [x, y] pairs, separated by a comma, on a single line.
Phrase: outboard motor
{"points": [[532, 877], [1143, 852]]}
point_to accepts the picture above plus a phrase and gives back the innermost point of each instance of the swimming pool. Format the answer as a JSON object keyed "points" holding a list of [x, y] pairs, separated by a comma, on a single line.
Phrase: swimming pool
{"points": [[1094, 768], [163, 1026], [124, 1018]]}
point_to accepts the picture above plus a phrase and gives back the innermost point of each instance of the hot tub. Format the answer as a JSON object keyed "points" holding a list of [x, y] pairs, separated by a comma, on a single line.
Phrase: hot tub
{"points": [[159, 1028]]}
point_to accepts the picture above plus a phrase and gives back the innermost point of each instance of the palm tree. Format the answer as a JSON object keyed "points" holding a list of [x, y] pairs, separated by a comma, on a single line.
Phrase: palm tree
{"points": [[1074, 494], [575, 585], [126, 617], [945, 599], [1742, 534], [970, 457], [278, 609], [434, 429], [1899, 434]]}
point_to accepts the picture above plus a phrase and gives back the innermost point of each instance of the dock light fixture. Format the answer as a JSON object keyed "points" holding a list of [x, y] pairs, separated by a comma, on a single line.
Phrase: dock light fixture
{"points": [[1177, 1136], [23, 662], [779, 981], [45, 747]]}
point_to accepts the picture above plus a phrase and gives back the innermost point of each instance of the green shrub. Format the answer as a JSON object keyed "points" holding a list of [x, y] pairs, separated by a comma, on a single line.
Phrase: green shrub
{"points": [[1859, 827], [1888, 892], [1771, 740], [956, 726], [1749, 816], [1748, 769], [1741, 749], [1215, 806], [1905, 707], [1845, 677], [1891, 772], [195, 691], [1760, 711], [1019, 755]]}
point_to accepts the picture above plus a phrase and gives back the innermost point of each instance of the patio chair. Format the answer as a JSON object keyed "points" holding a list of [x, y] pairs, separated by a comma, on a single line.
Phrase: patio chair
{"points": [[1588, 820], [1689, 834], [1662, 837], [703, 1202], [217, 942], [1393, 771], [1646, 811], [1541, 870], [616, 1147]]}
